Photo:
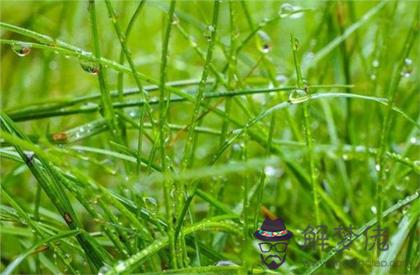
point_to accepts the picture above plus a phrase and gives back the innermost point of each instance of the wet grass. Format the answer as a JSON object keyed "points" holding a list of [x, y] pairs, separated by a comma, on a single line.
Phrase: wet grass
{"points": [[141, 137]]}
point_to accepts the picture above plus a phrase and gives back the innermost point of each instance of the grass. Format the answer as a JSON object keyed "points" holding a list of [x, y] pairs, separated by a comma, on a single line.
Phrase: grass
{"points": [[142, 137]]}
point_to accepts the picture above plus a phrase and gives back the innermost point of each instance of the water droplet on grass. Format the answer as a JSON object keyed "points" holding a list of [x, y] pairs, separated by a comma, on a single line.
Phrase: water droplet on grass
{"points": [[408, 68], [289, 10], [175, 20], [406, 74], [237, 147], [151, 204], [298, 96], [225, 263], [103, 270], [281, 78], [120, 266], [89, 67], [377, 167], [375, 63], [209, 32], [413, 140], [192, 42], [263, 42], [271, 171], [260, 98], [21, 49], [360, 149], [373, 209], [237, 131]]}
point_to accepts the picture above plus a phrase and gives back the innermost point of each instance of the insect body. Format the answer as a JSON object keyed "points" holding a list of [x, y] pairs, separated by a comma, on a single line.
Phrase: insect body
{"points": [[59, 137]]}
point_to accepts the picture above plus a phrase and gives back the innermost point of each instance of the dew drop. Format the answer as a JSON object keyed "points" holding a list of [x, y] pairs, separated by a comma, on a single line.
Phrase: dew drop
{"points": [[373, 209], [377, 167], [89, 67], [288, 10], [209, 32], [281, 78], [120, 267], [225, 263], [271, 171], [406, 74], [151, 204], [193, 43], [103, 270], [237, 147], [175, 20], [237, 131], [360, 149], [408, 68], [263, 42], [375, 63], [372, 76], [95, 199], [298, 96], [260, 98], [413, 140], [21, 49]]}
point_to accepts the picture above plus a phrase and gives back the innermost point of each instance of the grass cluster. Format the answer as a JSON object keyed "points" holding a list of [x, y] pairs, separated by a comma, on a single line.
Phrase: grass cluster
{"points": [[146, 136]]}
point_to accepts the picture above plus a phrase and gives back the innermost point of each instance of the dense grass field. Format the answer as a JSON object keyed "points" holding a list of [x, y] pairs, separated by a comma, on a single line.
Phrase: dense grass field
{"points": [[156, 136]]}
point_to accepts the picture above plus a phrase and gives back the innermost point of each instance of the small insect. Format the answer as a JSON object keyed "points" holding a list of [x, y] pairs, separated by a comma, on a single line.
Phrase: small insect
{"points": [[68, 218], [61, 136]]}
